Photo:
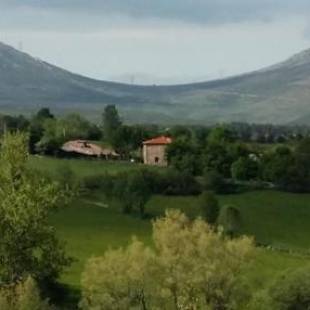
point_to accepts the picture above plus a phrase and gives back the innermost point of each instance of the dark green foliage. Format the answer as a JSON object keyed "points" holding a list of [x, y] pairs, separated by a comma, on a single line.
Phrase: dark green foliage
{"points": [[214, 181], [218, 157], [289, 170], [182, 132], [111, 122], [245, 168], [209, 206], [221, 135], [290, 291], [184, 155], [132, 191], [276, 165], [172, 182], [36, 130], [58, 131], [230, 220]]}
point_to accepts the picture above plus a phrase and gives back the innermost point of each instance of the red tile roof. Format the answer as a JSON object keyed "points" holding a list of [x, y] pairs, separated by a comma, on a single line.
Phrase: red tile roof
{"points": [[162, 140]]}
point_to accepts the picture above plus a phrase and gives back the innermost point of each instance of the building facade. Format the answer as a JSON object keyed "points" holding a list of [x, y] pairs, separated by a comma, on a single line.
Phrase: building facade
{"points": [[154, 151]]}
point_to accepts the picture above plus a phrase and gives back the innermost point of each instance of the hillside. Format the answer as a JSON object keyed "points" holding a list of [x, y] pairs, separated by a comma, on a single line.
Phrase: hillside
{"points": [[278, 94]]}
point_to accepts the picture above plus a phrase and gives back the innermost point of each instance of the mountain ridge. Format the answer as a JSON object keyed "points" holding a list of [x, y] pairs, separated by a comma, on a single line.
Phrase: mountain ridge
{"points": [[277, 94]]}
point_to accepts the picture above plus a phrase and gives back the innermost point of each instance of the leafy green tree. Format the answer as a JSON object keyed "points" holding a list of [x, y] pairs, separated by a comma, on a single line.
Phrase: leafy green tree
{"points": [[209, 206], [217, 157], [52, 138], [182, 132], [289, 170], [245, 168], [58, 131], [191, 267], [137, 191], [183, 155], [221, 134], [73, 126], [36, 130], [133, 191], [44, 113], [28, 244], [111, 122], [276, 165]]}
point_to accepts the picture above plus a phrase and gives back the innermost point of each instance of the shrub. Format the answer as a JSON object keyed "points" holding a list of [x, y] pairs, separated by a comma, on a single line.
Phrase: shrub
{"points": [[23, 296], [230, 220], [290, 291], [209, 206], [214, 181], [191, 267]]}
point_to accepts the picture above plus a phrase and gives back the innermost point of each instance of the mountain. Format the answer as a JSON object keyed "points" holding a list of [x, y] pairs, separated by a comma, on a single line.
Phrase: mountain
{"points": [[278, 94]]}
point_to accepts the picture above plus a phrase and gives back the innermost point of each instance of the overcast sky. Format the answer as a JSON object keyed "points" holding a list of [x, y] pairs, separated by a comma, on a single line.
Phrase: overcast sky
{"points": [[157, 41]]}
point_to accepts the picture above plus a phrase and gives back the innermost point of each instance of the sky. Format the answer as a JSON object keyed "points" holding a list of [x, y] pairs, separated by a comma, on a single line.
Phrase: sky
{"points": [[157, 41]]}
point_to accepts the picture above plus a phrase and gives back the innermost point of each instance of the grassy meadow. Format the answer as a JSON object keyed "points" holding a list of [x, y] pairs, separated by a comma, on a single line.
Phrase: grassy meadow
{"points": [[90, 225]]}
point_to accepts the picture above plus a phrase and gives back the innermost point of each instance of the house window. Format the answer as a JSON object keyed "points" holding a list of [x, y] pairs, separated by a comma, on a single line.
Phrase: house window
{"points": [[156, 160]]}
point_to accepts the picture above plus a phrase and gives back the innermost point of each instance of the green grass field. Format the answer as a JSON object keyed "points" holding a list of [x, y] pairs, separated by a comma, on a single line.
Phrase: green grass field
{"points": [[81, 167], [91, 224]]}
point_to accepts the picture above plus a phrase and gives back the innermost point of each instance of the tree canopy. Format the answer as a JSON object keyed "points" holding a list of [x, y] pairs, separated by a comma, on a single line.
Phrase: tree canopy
{"points": [[191, 267]]}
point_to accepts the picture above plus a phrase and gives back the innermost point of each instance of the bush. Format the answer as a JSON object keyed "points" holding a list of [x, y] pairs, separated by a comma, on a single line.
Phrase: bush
{"points": [[93, 182], [230, 220], [209, 206], [191, 266], [214, 181], [23, 296], [290, 291]]}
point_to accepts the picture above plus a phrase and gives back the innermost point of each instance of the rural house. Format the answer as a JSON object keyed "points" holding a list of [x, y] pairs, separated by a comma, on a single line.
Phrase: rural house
{"points": [[85, 148], [154, 151]]}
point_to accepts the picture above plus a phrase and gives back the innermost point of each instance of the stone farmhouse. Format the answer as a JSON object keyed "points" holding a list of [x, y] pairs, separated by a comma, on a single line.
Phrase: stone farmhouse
{"points": [[154, 151]]}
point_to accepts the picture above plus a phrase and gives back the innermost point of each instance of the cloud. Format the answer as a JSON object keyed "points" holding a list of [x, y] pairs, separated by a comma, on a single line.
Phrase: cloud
{"points": [[189, 11]]}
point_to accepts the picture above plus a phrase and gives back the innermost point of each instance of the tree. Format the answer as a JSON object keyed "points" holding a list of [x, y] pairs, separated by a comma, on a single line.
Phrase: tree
{"points": [[290, 291], [23, 296], [245, 168], [209, 206], [183, 155], [191, 267], [230, 219], [28, 244], [111, 122], [36, 130], [221, 135], [133, 191], [58, 131], [218, 157], [44, 113], [276, 164]]}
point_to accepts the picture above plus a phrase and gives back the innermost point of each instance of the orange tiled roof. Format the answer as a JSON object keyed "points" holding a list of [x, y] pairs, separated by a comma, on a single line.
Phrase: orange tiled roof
{"points": [[162, 140]]}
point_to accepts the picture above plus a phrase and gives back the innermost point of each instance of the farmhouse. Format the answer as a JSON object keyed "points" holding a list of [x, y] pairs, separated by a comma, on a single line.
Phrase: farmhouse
{"points": [[85, 148], [154, 151]]}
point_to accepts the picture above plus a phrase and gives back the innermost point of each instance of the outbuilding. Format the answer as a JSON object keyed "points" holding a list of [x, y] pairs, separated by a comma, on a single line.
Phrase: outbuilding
{"points": [[154, 151], [87, 149]]}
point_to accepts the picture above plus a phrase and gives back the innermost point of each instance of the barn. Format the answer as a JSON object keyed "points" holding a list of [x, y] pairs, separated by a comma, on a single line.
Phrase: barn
{"points": [[154, 151], [83, 148]]}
